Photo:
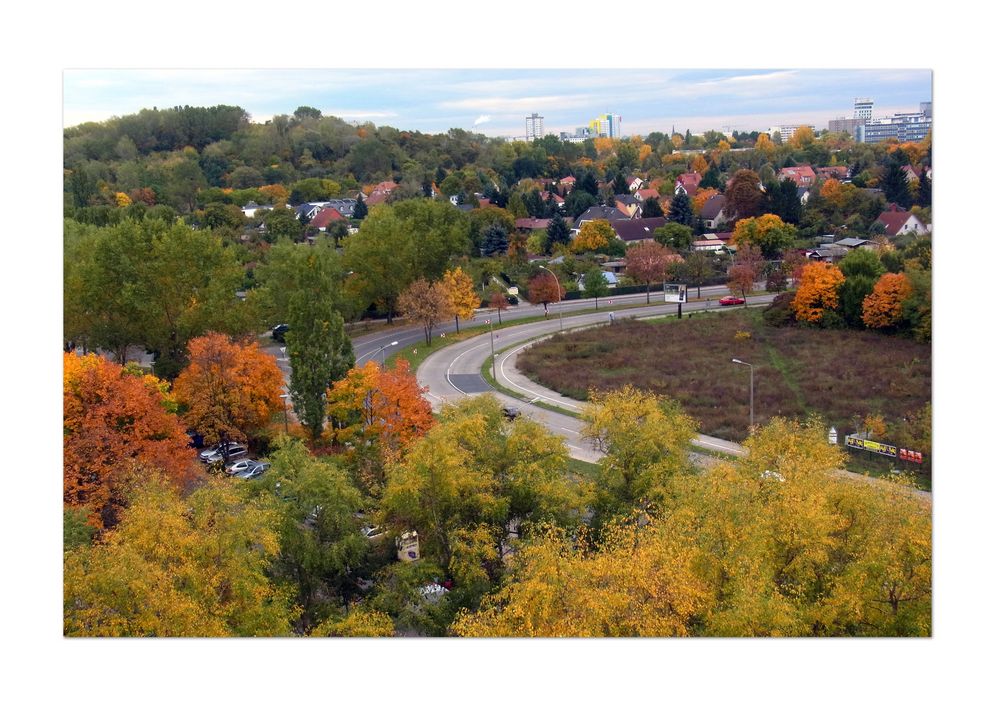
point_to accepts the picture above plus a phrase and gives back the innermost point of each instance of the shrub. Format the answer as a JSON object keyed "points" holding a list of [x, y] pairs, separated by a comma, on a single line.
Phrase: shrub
{"points": [[780, 313]]}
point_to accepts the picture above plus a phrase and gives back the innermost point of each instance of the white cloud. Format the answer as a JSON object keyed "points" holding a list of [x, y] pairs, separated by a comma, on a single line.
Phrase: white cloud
{"points": [[481, 119]]}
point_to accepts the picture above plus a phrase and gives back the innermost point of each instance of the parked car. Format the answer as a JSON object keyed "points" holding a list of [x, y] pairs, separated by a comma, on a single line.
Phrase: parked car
{"points": [[253, 472], [241, 465], [278, 333], [214, 453], [729, 299], [373, 532], [511, 413]]}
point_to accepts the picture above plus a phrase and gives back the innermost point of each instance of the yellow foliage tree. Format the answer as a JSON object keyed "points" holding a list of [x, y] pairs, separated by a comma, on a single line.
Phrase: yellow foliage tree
{"points": [[462, 297], [832, 190], [802, 137], [176, 566], [699, 164], [817, 291], [358, 623], [644, 152], [593, 236], [277, 194], [701, 197], [764, 144], [122, 199]]}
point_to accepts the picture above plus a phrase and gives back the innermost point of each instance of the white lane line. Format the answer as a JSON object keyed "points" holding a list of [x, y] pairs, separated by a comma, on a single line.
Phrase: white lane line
{"points": [[503, 375]]}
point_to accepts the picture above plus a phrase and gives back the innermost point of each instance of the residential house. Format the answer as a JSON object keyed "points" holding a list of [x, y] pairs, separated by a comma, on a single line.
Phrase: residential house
{"points": [[309, 211], [344, 206], [912, 175], [897, 222], [713, 213], [597, 213], [325, 217], [838, 172], [380, 194], [534, 224], [803, 194], [643, 194], [713, 245], [854, 243], [567, 184], [688, 183], [803, 175], [634, 183], [629, 205], [610, 278], [253, 207], [559, 201], [637, 229], [827, 253]]}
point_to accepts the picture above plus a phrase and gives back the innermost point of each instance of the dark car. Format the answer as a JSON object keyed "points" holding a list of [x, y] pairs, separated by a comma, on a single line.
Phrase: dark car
{"points": [[511, 413], [725, 301], [278, 333]]}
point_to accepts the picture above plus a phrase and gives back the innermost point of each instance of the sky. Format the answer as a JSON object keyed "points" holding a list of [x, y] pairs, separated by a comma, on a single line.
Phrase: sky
{"points": [[496, 101]]}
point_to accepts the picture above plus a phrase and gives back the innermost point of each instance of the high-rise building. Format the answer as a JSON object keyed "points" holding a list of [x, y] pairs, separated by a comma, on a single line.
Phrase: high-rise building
{"points": [[905, 127], [863, 108], [606, 125], [533, 127], [787, 131], [845, 125], [925, 108]]}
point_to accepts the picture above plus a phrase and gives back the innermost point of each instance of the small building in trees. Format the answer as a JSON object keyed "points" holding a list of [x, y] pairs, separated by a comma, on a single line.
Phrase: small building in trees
{"points": [[688, 183], [598, 213], [898, 222], [325, 217], [638, 229], [712, 214], [803, 175]]}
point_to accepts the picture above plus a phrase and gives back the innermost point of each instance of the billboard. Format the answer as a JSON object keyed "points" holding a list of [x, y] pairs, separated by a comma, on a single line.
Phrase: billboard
{"points": [[886, 450], [675, 293]]}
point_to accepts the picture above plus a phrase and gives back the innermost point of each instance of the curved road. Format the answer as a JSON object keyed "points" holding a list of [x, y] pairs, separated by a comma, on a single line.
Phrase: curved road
{"points": [[454, 372]]}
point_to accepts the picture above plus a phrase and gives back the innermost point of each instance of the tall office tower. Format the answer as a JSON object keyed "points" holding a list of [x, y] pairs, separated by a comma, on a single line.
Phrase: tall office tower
{"points": [[533, 127], [863, 108], [925, 108], [607, 125]]}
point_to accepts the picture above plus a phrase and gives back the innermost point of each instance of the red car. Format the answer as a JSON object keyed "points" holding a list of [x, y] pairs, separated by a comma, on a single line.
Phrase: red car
{"points": [[731, 300]]}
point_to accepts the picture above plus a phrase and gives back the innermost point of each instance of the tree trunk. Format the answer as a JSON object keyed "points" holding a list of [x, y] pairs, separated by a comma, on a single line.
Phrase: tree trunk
{"points": [[499, 320], [456, 323], [595, 304]]}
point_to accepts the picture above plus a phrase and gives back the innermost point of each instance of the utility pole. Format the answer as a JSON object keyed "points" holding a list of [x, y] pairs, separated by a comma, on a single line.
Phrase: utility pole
{"points": [[493, 355]]}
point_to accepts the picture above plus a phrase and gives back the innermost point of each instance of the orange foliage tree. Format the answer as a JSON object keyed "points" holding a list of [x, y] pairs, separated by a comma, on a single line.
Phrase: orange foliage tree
{"points": [[817, 291], [699, 164], [833, 192], [276, 193], [230, 390], [701, 197], [379, 406], [884, 306], [117, 423]]}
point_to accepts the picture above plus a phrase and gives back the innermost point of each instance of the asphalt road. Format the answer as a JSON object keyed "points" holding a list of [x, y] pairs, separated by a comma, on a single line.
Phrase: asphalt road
{"points": [[454, 372]]}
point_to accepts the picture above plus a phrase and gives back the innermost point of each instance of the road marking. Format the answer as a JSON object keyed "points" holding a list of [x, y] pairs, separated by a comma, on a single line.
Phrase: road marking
{"points": [[503, 375], [447, 374]]}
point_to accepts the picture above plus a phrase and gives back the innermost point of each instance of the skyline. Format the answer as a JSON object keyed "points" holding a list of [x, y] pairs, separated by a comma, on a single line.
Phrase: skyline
{"points": [[495, 102]]}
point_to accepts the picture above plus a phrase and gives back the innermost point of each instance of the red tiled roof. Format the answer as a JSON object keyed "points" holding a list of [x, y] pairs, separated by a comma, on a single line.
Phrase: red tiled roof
{"points": [[894, 220], [531, 224], [325, 217], [568, 180], [644, 194]]}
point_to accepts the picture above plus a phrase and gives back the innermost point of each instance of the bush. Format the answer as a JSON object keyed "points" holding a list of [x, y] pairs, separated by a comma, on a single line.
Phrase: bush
{"points": [[780, 313]]}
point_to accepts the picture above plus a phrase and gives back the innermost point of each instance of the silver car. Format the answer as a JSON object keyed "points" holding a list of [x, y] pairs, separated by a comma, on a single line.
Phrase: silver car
{"points": [[214, 453], [253, 472]]}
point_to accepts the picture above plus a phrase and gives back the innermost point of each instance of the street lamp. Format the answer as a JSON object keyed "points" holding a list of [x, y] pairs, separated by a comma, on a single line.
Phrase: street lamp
{"points": [[558, 292], [744, 363], [382, 351], [284, 407]]}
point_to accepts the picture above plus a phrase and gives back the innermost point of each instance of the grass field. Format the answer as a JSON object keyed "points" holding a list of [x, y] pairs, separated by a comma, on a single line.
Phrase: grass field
{"points": [[840, 375]]}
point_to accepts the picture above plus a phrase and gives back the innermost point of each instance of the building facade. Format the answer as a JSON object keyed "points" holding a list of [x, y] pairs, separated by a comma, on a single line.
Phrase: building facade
{"points": [[606, 125], [905, 127], [863, 108], [786, 131], [534, 127]]}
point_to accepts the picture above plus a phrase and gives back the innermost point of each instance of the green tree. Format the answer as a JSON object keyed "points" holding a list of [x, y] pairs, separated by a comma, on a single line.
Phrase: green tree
{"points": [[680, 210], [557, 233], [896, 186], [494, 240], [281, 223], [360, 209], [699, 268], [651, 208], [674, 235], [595, 284]]}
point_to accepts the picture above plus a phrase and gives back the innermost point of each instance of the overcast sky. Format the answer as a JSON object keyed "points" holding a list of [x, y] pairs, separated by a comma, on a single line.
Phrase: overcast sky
{"points": [[495, 102]]}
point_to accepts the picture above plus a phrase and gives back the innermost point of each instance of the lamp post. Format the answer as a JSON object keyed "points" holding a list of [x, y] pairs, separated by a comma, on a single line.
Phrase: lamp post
{"points": [[493, 353], [744, 363], [558, 292], [284, 407], [382, 351]]}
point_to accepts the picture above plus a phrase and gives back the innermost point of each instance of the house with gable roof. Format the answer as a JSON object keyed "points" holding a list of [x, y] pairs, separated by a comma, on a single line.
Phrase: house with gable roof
{"points": [[898, 222], [688, 183], [713, 213], [803, 175]]}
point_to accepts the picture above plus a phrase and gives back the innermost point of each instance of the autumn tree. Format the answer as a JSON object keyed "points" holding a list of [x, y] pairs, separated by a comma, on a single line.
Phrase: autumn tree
{"points": [[179, 566], [802, 137], [701, 197], [744, 195], [883, 308], [229, 390], [117, 425], [593, 236], [817, 291], [647, 263], [746, 269], [378, 409], [498, 301], [645, 439], [462, 298], [425, 303], [768, 232], [473, 480], [543, 288]]}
